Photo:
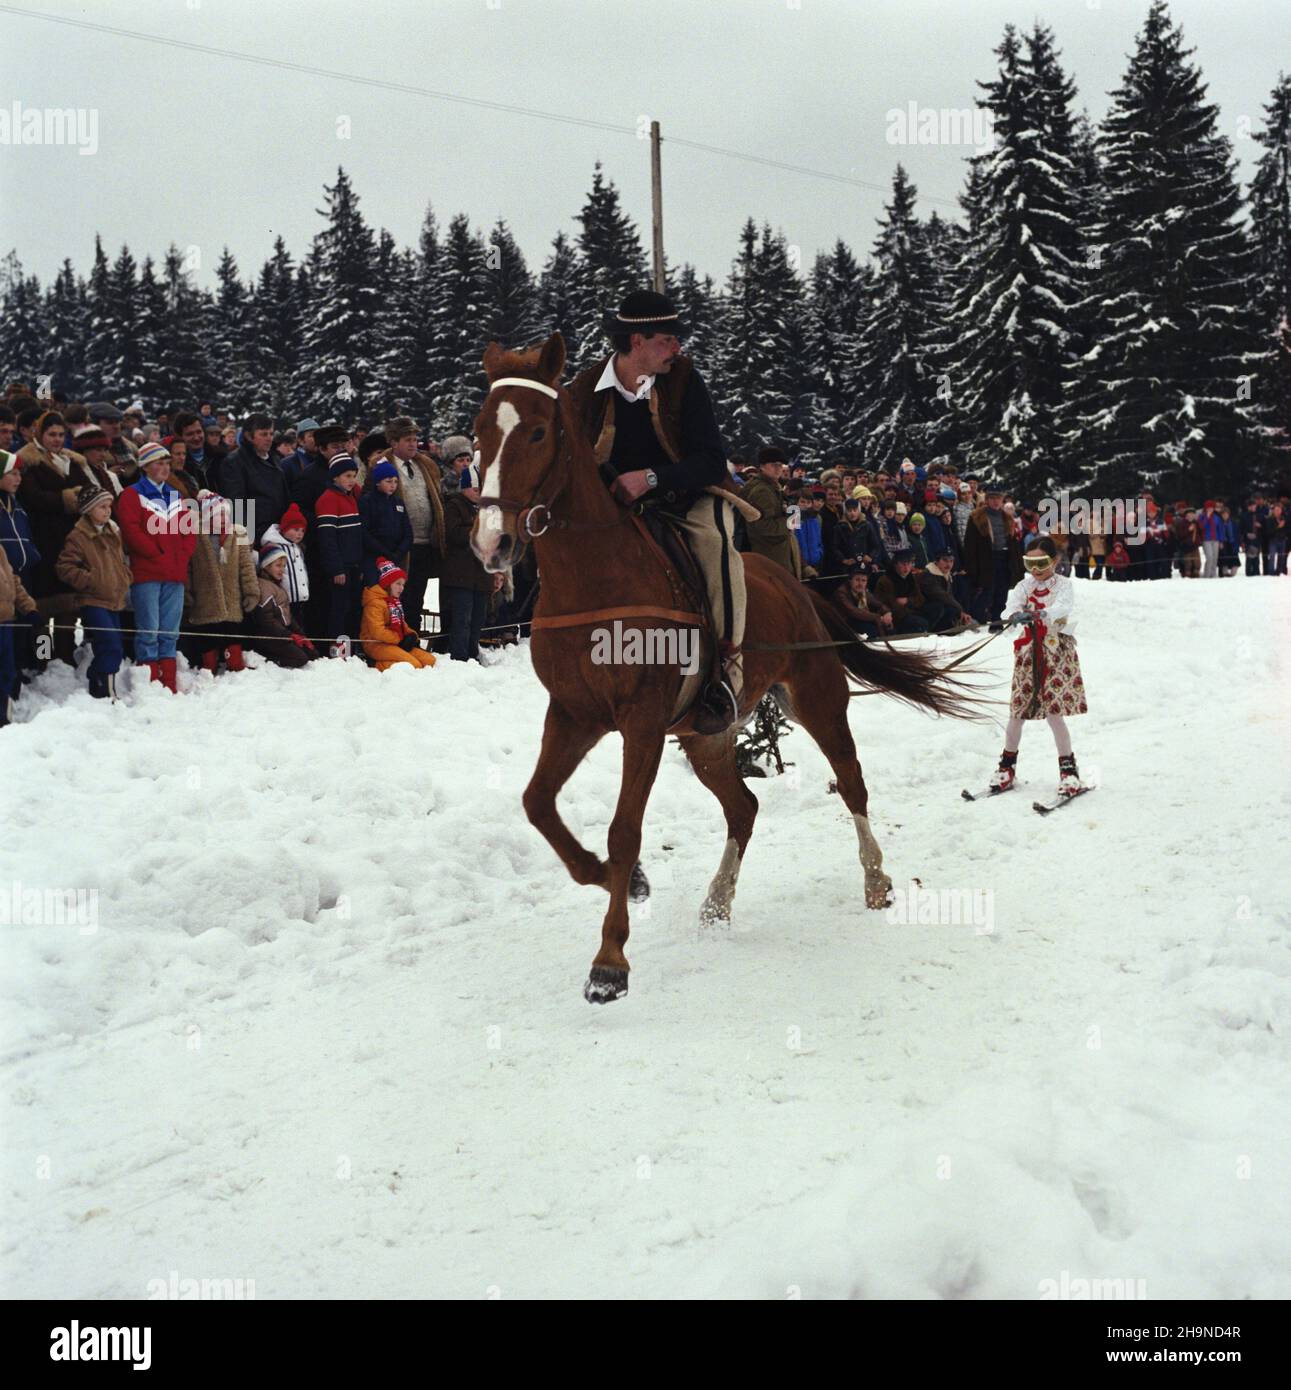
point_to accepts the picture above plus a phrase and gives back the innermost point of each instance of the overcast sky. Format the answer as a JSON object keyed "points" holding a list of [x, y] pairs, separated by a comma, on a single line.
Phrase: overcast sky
{"points": [[201, 149]]}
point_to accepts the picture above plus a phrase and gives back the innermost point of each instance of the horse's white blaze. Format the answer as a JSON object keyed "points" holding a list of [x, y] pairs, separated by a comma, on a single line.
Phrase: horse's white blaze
{"points": [[508, 417]]}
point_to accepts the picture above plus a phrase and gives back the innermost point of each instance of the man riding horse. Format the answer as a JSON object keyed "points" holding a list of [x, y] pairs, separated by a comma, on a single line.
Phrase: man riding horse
{"points": [[650, 422]]}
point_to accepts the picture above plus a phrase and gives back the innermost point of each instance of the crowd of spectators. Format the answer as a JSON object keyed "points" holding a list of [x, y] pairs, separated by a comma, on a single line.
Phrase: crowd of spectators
{"points": [[925, 550], [193, 536], [197, 535]]}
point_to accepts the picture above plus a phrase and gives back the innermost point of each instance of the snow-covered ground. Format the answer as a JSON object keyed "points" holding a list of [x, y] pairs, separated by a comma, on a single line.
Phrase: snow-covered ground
{"points": [[327, 1035]]}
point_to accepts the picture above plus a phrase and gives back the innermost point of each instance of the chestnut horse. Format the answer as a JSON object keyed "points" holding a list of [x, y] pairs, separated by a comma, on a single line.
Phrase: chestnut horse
{"points": [[540, 484]]}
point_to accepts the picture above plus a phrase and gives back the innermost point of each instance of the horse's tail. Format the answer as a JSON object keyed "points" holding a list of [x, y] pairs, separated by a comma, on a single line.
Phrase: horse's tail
{"points": [[917, 678]]}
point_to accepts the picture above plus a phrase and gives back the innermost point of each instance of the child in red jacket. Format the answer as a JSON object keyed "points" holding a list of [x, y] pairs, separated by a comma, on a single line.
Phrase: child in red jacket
{"points": [[159, 534]]}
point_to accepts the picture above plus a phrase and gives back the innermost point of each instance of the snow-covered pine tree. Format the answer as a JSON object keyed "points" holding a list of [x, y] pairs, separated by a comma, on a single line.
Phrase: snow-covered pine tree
{"points": [[1009, 328], [786, 397], [1271, 235], [511, 311], [423, 309], [125, 378], [1164, 394], [339, 339], [457, 372], [65, 321], [737, 362], [149, 329], [896, 350], [22, 336], [946, 242], [231, 341], [397, 335], [188, 377], [559, 294], [275, 312], [611, 264], [696, 302], [833, 314], [100, 338]]}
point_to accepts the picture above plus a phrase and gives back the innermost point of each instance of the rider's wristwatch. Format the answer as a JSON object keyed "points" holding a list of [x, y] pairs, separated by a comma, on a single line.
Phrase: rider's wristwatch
{"points": [[652, 479]]}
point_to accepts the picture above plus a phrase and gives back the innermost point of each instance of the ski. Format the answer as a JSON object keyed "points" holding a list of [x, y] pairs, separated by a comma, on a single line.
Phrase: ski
{"points": [[987, 792], [1044, 807]]}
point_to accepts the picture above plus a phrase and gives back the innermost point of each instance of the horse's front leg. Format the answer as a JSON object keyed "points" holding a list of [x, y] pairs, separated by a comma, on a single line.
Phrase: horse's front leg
{"points": [[565, 743], [641, 753]]}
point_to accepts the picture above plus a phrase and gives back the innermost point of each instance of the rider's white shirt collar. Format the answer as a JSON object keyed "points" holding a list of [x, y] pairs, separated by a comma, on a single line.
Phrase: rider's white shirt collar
{"points": [[609, 377]]}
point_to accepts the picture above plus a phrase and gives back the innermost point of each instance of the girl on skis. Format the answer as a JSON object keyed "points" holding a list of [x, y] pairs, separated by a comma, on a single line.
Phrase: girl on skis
{"points": [[1047, 683]]}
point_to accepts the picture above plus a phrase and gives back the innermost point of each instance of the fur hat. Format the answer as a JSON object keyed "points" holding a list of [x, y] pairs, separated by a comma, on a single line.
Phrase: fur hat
{"points": [[454, 446], [331, 434], [399, 428]]}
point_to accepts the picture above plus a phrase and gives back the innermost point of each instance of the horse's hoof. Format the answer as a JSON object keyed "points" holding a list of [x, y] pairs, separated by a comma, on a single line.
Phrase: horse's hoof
{"points": [[638, 885], [715, 915], [605, 984], [880, 895]]}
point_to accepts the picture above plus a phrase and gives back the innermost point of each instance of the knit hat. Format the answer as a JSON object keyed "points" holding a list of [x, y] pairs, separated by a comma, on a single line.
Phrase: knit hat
{"points": [[918, 516], [293, 516], [89, 496], [90, 437], [153, 453], [388, 572], [947, 494], [852, 502], [342, 463], [902, 509], [308, 423], [862, 493], [269, 554], [385, 469], [454, 445]]}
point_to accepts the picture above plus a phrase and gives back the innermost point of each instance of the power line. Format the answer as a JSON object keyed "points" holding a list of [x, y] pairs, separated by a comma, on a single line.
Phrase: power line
{"points": [[480, 103]]}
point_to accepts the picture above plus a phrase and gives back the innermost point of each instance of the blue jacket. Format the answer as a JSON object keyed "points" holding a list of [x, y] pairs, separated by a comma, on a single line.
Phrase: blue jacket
{"points": [[1213, 527], [811, 544], [293, 465], [15, 536], [386, 530]]}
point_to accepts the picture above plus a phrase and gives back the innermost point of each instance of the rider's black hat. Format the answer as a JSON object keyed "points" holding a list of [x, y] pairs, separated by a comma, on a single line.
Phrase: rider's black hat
{"points": [[644, 311]]}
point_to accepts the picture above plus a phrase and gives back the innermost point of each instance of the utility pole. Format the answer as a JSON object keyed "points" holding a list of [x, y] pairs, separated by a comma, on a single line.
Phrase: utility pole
{"points": [[656, 203]]}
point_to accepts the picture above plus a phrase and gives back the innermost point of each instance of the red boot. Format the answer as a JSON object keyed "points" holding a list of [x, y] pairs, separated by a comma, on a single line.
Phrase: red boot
{"points": [[154, 671], [233, 658], [210, 660], [167, 665]]}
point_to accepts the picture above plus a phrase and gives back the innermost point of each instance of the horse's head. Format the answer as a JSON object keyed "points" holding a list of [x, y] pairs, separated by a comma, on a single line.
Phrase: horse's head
{"points": [[519, 436]]}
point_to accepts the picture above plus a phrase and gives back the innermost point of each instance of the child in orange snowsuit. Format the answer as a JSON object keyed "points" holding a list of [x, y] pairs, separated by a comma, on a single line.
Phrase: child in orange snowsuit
{"points": [[386, 638]]}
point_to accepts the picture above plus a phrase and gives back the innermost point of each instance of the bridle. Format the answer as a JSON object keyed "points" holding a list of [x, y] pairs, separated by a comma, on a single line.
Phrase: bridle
{"points": [[524, 511]]}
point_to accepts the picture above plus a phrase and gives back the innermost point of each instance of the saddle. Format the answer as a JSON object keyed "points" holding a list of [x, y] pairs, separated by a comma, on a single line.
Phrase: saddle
{"points": [[662, 529]]}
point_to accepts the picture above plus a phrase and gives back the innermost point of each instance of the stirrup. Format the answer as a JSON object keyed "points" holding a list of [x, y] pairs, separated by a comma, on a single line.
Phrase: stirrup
{"points": [[716, 709]]}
